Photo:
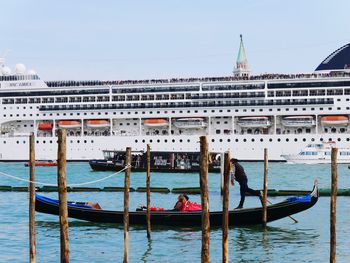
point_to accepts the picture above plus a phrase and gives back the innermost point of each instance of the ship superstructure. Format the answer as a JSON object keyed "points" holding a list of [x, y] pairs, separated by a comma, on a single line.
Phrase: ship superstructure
{"points": [[240, 113]]}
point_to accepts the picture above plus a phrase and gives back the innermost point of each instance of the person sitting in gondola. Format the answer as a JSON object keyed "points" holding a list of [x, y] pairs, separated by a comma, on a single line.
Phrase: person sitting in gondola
{"points": [[183, 204]]}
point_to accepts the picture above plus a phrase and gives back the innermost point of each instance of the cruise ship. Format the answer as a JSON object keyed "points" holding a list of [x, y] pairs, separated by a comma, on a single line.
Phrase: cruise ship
{"points": [[240, 113]]}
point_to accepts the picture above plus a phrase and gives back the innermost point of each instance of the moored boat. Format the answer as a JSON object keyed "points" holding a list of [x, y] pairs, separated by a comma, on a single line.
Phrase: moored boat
{"points": [[163, 162], [315, 153], [248, 216], [335, 120], [48, 163]]}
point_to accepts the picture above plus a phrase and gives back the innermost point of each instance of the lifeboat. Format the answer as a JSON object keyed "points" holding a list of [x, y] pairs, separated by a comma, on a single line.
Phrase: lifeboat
{"points": [[68, 124], [334, 120], [298, 121], [97, 123], [45, 126], [190, 123], [254, 122], [156, 122]]}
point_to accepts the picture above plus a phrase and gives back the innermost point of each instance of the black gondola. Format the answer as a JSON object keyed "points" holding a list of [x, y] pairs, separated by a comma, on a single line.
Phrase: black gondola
{"points": [[162, 162], [248, 216]]}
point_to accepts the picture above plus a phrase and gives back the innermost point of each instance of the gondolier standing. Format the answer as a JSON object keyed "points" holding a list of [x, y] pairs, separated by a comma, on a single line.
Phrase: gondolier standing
{"points": [[240, 176]]}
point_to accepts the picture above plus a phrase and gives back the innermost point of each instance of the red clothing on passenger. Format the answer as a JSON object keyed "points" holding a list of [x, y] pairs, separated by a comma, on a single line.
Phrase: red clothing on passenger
{"points": [[191, 206]]}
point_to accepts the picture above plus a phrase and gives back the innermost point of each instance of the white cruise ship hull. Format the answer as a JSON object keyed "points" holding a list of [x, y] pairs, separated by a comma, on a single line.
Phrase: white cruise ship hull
{"points": [[90, 147]]}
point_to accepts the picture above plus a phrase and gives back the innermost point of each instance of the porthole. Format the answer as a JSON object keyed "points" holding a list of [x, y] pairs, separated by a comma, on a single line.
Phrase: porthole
{"points": [[150, 140], [312, 139], [173, 140], [188, 140], [220, 140], [228, 140], [347, 139], [287, 140], [143, 141], [180, 140], [253, 140], [278, 139], [270, 140], [339, 140], [295, 139], [212, 140], [244, 140], [236, 140], [304, 140], [321, 139], [261, 139], [136, 141], [158, 141]]}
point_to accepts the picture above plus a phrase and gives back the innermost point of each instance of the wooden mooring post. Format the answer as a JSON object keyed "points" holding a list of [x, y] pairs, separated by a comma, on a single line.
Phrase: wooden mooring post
{"points": [[333, 208], [148, 183], [222, 167], [126, 204], [32, 232], [62, 194], [225, 207], [203, 180], [264, 197]]}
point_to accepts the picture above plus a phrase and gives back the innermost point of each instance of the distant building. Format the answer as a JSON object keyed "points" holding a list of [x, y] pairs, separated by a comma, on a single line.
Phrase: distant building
{"points": [[242, 67]]}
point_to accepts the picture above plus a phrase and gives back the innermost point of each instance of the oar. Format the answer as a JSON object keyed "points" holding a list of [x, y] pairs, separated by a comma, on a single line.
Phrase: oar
{"points": [[295, 221]]}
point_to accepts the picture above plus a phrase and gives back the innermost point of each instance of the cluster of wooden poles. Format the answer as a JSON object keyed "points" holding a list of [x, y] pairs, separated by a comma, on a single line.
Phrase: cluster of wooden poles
{"points": [[205, 255]]}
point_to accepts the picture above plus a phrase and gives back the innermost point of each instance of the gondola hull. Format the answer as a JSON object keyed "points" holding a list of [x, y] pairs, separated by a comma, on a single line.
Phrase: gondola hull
{"points": [[249, 216]]}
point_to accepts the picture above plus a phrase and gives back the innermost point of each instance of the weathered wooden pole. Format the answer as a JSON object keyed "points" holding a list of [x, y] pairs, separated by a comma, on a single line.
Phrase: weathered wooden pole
{"points": [[126, 204], [264, 197], [333, 212], [32, 232], [225, 207], [205, 255], [222, 167], [148, 183], [62, 194]]}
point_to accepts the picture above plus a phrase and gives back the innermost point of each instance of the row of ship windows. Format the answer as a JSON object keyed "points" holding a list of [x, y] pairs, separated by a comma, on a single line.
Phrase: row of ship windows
{"points": [[165, 112], [37, 107], [152, 97], [188, 140]]}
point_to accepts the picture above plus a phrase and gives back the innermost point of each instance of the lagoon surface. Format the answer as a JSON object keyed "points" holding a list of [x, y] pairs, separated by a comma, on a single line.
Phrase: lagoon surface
{"points": [[282, 241]]}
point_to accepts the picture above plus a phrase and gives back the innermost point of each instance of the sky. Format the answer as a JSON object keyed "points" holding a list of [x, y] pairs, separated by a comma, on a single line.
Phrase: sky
{"points": [[139, 39]]}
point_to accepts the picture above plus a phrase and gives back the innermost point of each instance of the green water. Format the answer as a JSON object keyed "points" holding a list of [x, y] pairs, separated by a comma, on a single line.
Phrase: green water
{"points": [[283, 241]]}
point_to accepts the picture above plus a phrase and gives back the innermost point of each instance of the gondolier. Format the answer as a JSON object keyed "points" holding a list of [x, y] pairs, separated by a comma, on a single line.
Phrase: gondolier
{"points": [[240, 176]]}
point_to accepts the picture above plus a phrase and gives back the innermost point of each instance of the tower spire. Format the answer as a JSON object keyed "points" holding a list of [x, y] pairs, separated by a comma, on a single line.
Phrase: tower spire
{"points": [[242, 67]]}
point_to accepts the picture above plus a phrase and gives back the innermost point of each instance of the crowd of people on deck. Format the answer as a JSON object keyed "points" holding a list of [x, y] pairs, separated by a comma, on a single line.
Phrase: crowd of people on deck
{"points": [[203, 79]]}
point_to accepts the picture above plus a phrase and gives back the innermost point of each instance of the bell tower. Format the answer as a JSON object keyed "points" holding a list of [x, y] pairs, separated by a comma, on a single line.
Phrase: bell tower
{"points": [[242, 67]]}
